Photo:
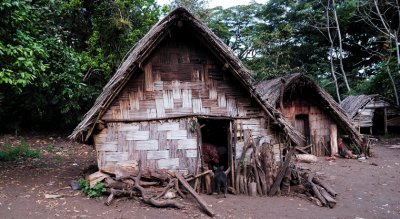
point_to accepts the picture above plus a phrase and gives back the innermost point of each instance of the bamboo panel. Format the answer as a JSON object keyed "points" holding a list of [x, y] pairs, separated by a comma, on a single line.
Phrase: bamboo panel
{"points": [[158, 85], [116, 156], [186, 99], [168, 126], [108, 146], [147, 145], [148, 74], [187, 144], [151, 113], [171, 164], [160, 110], [137, 135], [168, 99], [191, 153], [180, 134], [129, 127], [231, 107], [197, 106], [156, 155]]}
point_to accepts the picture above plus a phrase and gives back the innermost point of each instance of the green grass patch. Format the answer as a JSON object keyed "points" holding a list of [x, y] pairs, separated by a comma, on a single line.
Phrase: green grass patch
{"points": [[19, 152], [50, 148]]}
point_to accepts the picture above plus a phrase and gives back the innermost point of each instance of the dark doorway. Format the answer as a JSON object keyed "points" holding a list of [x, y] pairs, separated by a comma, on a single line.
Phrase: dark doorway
{"points": [[216, 132], [302, 125], [378, 125]]}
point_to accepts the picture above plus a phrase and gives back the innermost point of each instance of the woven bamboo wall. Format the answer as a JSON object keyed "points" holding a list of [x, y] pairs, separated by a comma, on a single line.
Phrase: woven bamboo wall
{"points": [[158, 144], [319, 121], [182, 78], [149, 120]]}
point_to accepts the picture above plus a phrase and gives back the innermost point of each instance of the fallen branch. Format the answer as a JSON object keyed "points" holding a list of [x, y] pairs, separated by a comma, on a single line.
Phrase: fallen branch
{"points": [[152, 201], [199, 199]]}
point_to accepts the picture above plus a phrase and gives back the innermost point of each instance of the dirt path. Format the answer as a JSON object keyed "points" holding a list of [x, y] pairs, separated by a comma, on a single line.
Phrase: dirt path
{"points": [[367, 189]]}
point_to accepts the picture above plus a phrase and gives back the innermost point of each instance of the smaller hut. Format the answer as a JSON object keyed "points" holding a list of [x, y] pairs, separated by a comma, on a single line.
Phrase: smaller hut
{"points": [[372, 114], [310, 110]]}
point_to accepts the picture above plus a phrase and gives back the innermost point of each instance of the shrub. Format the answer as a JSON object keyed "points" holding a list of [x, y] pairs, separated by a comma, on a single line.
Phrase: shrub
{"points": [[94, 192], [22, 151]]}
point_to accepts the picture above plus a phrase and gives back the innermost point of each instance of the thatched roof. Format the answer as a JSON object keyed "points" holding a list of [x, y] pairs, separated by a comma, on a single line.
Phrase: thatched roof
{"points": [[352, 104], [138, 54], [270, 90]]}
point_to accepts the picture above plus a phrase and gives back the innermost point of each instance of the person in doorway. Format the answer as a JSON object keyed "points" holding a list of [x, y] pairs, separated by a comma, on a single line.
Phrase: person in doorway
{"points": [[344, 151]]}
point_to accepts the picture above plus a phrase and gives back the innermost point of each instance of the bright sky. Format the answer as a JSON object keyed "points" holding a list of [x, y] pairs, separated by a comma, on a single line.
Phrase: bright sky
{"points": [[223, 3]]}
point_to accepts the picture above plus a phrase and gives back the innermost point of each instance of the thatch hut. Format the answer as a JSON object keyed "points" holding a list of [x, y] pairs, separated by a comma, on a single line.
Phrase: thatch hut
{"points": [[179, 86], [372, 114], [310, 110]]}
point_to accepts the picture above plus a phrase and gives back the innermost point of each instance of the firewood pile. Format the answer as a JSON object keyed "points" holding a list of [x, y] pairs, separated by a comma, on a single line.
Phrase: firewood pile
{"points": [[157, 188], [262, 175]]}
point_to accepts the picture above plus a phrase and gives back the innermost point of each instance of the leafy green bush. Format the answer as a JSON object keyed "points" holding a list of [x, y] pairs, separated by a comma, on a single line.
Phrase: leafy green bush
{"points": [[21, 151], [94, 192]]}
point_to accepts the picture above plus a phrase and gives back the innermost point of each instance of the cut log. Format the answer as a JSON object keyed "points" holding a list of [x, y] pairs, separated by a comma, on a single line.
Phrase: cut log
{"points": [[121, 169], [330, 201], [96, 177], [325, 186], [315, 190], [199, 199]]}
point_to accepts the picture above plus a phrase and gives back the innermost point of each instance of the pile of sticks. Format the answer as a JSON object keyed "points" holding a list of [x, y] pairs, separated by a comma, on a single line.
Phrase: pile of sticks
{"points": [[307, 185], [154, 188], [261, 175]]}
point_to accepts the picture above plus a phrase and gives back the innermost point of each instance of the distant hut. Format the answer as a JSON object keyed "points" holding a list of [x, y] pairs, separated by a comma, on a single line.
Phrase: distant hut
{"points": [[311, 110], [372, 114], [180, 86]]}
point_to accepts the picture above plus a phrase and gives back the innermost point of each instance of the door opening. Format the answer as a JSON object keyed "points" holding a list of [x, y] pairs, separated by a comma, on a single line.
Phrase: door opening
{"points": [[215, 132], [302, 125]]}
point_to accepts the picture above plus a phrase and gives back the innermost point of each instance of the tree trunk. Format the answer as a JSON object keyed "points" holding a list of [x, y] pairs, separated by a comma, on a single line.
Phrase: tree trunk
{"points": [[331, 56], [340, 46]]}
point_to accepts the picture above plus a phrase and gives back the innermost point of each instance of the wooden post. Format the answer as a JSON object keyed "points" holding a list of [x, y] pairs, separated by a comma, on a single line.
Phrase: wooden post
{"points": [[385, 119], [333, 136]]}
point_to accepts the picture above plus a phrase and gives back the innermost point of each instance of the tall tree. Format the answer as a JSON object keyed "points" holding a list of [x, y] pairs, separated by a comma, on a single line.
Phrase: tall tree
{"points": [[384, 17]]}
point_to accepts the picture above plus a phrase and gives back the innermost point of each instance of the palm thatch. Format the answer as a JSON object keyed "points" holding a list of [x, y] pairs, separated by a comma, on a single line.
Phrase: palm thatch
{"points": [[274, 89], [352, 104], [138, 54]]}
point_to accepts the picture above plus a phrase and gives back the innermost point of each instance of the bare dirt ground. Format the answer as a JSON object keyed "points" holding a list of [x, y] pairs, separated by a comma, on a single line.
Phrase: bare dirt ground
{"points": [[367, 189]]}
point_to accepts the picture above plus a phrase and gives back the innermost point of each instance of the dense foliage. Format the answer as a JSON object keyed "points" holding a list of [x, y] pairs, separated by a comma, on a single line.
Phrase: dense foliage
{"points": [[55, 56]]}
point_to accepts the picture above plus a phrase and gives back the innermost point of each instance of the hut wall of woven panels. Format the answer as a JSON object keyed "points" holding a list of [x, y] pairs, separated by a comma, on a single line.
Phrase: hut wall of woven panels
{"points": [[153, 117], [310, 120]]}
